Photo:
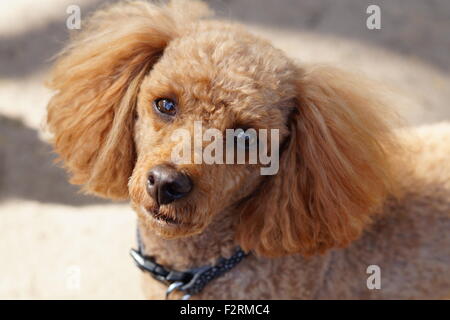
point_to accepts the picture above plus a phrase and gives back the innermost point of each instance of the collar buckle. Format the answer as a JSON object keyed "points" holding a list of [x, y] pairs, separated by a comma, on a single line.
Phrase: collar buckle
{"points": [[174, 286]]}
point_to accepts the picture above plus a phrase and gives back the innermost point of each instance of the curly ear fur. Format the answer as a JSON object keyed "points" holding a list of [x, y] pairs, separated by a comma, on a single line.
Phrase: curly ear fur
{"points": [[335, 171], [97, 79]]}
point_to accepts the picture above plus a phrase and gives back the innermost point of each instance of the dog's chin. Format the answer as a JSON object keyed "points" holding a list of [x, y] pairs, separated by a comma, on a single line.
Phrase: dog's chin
{"points": [[166, 226]]}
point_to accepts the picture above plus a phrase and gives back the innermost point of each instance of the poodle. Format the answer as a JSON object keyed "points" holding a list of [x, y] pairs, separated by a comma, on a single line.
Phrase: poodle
{"points": [[358, 209]]}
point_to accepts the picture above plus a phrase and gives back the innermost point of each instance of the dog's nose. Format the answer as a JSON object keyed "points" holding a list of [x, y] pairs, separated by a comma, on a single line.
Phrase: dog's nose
{"points": [[165, 184]]}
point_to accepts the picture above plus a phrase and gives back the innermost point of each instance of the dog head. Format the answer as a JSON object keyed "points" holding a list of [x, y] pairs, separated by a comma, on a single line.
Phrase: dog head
{"points": [[140, 78]]}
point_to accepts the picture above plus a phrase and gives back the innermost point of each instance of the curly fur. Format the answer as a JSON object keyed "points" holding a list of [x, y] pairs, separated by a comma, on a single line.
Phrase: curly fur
{"points": [[345, 180]]}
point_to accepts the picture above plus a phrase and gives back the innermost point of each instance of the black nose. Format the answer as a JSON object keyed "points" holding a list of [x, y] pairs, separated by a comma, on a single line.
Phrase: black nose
{"points": [[165, 184]]}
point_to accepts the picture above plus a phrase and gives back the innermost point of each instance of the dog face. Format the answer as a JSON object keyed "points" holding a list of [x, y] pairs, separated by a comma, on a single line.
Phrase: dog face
{"points": [[222, 80], [138, 73]]}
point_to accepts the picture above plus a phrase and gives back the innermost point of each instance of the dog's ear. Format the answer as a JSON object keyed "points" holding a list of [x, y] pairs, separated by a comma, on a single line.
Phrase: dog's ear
{"points": [[335, 169], [97, 79]]}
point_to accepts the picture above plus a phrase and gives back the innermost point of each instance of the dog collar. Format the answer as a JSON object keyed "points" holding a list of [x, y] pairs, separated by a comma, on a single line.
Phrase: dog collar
{"points": [[189, 282]]}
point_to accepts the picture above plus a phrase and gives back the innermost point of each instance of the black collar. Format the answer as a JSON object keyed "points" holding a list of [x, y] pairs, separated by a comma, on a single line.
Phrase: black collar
{"points": [[189, 282]]}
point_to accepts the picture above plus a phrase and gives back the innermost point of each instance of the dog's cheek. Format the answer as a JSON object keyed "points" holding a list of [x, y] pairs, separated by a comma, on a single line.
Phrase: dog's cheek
{"points": [[136, 185], [221, 186], [241, 182]]}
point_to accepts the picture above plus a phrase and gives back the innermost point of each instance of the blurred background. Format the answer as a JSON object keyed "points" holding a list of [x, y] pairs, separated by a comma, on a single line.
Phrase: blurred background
{"points": [[57, 243]]}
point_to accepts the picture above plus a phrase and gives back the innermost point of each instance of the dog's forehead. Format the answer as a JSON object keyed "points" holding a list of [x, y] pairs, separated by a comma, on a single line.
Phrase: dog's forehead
{"points": [[224, 69]]}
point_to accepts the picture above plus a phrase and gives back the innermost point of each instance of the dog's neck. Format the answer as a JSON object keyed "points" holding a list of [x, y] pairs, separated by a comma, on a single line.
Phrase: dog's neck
{"points": [[216, 241]]}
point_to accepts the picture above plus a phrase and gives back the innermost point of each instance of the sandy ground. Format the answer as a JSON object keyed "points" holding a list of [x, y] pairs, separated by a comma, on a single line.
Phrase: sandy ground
{"points": [[56, 243]]}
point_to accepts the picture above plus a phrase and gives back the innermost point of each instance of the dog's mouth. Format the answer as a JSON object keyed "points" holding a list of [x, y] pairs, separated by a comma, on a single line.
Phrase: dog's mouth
{"points": [[160, 217]]}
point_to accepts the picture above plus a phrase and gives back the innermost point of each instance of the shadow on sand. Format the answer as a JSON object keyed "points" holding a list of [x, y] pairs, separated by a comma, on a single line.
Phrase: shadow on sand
{"points": [[27, 168]]}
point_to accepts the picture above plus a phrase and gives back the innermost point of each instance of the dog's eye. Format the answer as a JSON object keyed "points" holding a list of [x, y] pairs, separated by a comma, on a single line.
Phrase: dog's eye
{"points": [[166, 106]]}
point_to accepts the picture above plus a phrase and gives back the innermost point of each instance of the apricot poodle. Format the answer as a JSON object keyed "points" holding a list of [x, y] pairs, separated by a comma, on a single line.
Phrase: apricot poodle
{"points": [[357, 209]]}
